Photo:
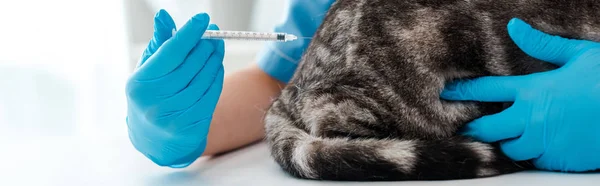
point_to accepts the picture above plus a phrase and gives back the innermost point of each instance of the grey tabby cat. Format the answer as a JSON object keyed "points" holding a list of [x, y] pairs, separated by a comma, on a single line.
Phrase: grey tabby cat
{"points": [[364, 102]]}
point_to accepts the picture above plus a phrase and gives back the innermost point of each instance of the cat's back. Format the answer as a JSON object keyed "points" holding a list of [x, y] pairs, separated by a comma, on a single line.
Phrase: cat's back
{"points": [[454, 38], [395, 56]]}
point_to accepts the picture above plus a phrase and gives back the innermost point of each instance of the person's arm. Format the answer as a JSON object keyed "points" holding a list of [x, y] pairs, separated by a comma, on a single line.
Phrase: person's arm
{"points": [[237, 119]]}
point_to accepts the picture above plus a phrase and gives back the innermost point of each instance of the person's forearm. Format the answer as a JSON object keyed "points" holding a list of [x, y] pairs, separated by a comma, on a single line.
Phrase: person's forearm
{"points": [[237, 120]]}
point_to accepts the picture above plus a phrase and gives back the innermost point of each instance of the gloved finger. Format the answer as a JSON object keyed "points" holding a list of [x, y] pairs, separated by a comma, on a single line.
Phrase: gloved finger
{"points": [[528, 146], [543, 46], [195, 61], [489, 88], [199, 125], [217, 42], [181, 77], [175, 50], [208, 101], [163, 25], [201, 107], [187, 160], [504, 125], [202, 82]]}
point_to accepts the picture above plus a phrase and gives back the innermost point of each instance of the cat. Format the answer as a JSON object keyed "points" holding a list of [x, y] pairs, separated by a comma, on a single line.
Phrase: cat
{"points": [[364, 103]]}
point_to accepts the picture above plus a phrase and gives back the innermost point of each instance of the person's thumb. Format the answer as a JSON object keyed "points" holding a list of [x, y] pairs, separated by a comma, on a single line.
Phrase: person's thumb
{"points": [[545, 47], [163, 27]]}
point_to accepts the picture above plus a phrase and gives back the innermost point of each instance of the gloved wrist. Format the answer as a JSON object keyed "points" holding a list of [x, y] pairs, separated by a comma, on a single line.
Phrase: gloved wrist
{"points": [[276, 64]]}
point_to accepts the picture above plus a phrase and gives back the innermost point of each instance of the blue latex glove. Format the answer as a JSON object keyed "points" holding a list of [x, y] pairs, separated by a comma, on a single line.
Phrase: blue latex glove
{"points": [[555, 118], [174, 91], [302, 18]]}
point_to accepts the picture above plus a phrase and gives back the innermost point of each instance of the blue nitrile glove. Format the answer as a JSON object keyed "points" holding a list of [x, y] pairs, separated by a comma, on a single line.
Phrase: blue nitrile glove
{"points": [[174, 91], [555, 118], [302, 18]]}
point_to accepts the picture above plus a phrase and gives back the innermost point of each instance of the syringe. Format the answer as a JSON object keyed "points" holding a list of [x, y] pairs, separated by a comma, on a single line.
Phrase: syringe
{"points": [[245, 35]]}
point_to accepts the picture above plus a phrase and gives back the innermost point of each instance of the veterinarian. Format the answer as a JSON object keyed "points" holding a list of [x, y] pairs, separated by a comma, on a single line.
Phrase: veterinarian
{"points": [[181, 106]]}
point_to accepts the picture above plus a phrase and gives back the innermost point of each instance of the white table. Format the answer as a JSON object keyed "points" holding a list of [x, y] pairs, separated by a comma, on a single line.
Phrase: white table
{"points": [[112, 161]]}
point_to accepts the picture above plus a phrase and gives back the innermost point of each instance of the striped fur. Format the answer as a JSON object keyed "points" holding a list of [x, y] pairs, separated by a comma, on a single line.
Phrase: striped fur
{"points": [[364, 103]]}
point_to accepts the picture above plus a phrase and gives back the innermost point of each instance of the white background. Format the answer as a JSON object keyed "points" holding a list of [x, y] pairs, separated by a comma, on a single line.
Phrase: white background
{"points": [[63, 63], [62, 68]]}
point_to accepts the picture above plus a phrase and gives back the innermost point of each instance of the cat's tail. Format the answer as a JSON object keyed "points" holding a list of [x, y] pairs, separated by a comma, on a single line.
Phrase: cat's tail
{"points": [[310, 157]]}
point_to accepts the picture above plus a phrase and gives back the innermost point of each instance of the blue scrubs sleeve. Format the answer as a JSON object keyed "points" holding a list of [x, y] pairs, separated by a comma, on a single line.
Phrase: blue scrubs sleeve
{"points": [[302, 19]]}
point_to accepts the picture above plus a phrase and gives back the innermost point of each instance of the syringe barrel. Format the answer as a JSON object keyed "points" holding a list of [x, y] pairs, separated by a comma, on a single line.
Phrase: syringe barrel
{"points": [[243, 35], [246, 35]]}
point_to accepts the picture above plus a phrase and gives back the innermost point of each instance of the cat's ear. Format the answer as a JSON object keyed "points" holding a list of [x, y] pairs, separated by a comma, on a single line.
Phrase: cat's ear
{"points": [[550, 48]]}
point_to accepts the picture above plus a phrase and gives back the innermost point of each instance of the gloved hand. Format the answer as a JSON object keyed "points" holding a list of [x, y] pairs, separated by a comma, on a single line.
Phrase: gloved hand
{"points": [[174, 91], [555, 118]]}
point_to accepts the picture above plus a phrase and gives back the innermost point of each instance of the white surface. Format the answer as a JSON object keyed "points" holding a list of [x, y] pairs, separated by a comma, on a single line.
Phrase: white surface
{"points": [[77, 161]]}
